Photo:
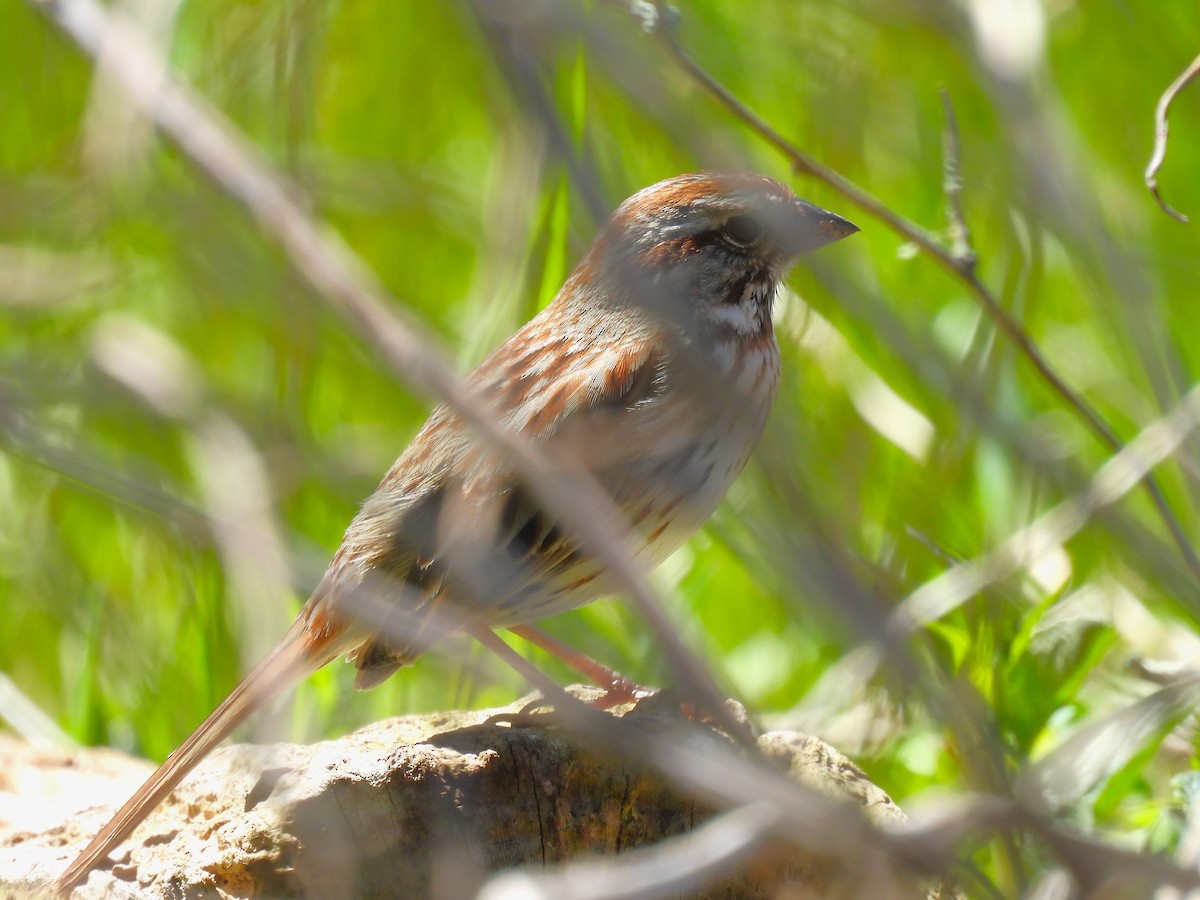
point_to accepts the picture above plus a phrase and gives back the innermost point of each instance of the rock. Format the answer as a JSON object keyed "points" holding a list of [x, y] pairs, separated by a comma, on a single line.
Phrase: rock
{"points": [[413, 807]]}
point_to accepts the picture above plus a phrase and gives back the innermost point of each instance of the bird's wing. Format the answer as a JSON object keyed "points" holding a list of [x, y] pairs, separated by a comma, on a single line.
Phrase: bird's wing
{"points": [[451, 535]]}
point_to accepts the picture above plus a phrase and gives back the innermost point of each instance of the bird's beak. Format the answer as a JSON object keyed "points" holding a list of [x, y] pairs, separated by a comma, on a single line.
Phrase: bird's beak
{"points": [[811, 228]]}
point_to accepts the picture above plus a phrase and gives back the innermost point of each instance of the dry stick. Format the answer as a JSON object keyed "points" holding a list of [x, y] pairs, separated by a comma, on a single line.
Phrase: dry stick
{"points": [[1161, 129], [952, 185], [962, 268], [343, 280]]}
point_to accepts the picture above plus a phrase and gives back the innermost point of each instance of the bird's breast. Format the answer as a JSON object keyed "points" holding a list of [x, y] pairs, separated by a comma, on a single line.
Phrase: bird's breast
{"points": [[706, 429]]}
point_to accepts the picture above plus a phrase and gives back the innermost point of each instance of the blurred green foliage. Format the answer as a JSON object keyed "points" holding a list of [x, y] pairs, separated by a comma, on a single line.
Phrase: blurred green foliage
{"points": [[908, 436]]}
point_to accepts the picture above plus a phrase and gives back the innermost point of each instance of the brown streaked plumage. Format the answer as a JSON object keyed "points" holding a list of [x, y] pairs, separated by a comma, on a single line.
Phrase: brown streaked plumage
{"points": [[653, 370]]}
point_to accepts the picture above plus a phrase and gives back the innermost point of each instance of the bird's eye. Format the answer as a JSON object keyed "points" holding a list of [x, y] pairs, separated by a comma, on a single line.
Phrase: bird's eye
{"points": [[742, 231]]}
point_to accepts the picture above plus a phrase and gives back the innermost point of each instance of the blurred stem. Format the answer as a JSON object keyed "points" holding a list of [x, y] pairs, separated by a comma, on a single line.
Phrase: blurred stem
{"points": [[664, 26], [512, 49], [952, 184], [980, 880], [25, 439]]}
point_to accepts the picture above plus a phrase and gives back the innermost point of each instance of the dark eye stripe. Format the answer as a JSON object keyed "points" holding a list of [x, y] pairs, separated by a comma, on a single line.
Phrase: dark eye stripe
{"points": [[741, 242]]}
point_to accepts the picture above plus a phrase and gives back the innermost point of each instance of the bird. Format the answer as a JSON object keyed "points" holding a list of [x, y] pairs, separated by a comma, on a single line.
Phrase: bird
{"points": [[653, 370]]}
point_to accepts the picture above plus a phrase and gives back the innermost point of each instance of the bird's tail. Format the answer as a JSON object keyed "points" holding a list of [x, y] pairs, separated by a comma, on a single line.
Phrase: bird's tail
{"points": [[302, 651]]}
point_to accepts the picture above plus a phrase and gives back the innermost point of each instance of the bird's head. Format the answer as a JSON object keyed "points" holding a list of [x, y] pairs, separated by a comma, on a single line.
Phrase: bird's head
{"points": [[720, 242]]}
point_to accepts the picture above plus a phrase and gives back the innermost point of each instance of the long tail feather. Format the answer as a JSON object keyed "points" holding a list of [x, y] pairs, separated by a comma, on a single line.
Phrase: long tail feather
{"points": [[294, 658]]}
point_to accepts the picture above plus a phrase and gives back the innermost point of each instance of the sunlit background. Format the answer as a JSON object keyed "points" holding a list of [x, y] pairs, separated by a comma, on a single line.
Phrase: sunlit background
{"points": [[186, 429]]}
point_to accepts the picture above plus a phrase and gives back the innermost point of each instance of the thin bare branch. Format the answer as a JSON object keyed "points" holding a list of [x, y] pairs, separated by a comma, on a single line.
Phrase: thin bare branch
{"points": [[1161, 129], [952, 184], [664, 25]]}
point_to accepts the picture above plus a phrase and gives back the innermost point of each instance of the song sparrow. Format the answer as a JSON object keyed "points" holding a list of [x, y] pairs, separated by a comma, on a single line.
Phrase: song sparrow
{"points": [[653, 370]]}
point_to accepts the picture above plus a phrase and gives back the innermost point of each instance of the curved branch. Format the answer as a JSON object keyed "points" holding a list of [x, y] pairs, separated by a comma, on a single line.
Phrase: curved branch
{"points": [[1161, 129]]}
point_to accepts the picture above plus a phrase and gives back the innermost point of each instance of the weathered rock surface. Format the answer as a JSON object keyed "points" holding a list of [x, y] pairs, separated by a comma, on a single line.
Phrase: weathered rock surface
{"points": [[414, 807]]}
